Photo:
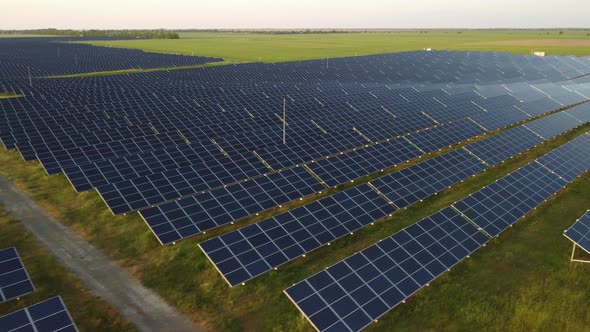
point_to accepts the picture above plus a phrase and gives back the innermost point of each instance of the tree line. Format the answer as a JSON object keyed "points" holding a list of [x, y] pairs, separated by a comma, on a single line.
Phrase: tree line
{"points": [[146, 34]]}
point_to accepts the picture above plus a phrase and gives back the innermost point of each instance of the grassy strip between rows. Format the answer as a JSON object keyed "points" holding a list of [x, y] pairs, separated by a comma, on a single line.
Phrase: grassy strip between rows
{"points": [[139, 70], [7, 95], [51, 278], [523, 280]]}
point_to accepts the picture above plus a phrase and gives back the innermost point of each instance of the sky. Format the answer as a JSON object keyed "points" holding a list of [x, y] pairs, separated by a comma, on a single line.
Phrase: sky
{"points": [[290, 14]]}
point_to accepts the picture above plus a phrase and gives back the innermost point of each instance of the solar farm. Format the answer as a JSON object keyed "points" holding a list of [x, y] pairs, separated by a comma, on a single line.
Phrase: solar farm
{"points": [[334, 194]]}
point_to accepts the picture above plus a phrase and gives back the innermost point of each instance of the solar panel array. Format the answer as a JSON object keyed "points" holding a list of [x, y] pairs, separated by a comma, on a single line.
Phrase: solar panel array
{"points": [[579, 232], [161, 143], [401, 189], [45, 56], [356, 291], [14, 279], [47, 316], [192, 150]]}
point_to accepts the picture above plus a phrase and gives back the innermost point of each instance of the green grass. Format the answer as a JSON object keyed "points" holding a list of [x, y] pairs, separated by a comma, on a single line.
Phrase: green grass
{"points": [[51, 278], [7, 95], [136, 71], [250, 47], [511, 284]]}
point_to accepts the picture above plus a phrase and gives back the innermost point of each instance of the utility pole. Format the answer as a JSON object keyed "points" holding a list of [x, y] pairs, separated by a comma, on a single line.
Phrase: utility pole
{"points": [[76, 59], [30, 78], [284, 121], [327, 59]]}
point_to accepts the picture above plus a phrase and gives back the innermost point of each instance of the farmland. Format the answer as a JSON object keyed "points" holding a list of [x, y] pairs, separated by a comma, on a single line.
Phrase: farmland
{"points": [[252, 47]]}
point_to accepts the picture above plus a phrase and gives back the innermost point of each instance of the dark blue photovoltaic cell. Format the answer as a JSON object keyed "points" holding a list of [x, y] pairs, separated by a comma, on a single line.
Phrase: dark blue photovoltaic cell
{"points": [[570, 160], [358, 290], [14, 279], [553, 125], [417, 182], [579, 233], [46, 316], [499, 205], [447, 135], [253, 250], [504, 145], [192, 215]]}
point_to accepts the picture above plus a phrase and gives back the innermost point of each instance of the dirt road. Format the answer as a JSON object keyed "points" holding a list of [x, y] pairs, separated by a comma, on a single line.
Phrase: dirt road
{"points": [[142, 307]]}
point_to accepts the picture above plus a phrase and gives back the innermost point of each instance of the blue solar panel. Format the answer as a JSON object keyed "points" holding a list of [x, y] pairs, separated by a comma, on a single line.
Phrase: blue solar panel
{"points": [[353, 165], [499, 205], [553, 125], [351, 294], [14, 279], [504, 145], [447, 135], [579, 232], [192, 215], [253, 250], [570, 160], [417, 182], [48, 316], [581, 112]]}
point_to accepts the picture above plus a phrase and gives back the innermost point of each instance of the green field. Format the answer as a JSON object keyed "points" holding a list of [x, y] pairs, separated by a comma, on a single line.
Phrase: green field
{"points": [[51, 279], [252, 47], [521, 281]]}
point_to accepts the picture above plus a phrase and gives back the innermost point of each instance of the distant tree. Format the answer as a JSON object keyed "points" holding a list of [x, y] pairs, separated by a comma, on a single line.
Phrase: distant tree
{"points": [[561, 32]]}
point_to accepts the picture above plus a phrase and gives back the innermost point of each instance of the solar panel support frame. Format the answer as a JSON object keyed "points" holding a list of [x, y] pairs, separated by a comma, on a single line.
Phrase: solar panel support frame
{"points": [[573, 259]]}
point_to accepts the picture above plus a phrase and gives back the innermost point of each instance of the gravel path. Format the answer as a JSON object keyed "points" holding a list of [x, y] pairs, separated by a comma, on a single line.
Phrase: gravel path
{"points": [[142, 307]]}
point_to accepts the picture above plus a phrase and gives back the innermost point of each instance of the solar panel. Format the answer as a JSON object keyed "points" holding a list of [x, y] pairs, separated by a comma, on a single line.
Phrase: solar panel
{"points": [[499, 205], [579, 232], [253, 250], [581, 112], [351, 294], [417, 182], [141, 192], [47, 316], [507, 144], [570, 160], [447, 135], [353, 165], [192, 215], [553, 125], [14, 279]]}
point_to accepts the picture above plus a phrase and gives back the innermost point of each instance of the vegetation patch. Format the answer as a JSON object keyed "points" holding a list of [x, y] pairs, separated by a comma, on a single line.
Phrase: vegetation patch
{"points": [[7, 95], [51, 278]]}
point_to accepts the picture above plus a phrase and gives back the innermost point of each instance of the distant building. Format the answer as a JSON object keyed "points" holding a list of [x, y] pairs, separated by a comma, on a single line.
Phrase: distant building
{"points": [[539, 53]]}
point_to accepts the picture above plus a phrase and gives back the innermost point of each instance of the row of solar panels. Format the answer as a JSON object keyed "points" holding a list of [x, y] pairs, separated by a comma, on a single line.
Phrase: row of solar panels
{"points": [[226, 97], [51, 56], [358, 290], [195, 214], [45, 132], [47, 316], [123, 169], [579, 232], [253, 250]]}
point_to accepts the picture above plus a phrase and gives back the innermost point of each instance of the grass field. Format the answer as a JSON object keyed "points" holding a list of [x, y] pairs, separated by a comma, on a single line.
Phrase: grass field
{"points": [[6, 95], [521, 281], [252, 47], [51, 278]]}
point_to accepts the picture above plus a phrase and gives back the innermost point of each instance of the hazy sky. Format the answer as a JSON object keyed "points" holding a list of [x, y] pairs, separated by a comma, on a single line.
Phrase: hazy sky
{"points": [[117, 14]]}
